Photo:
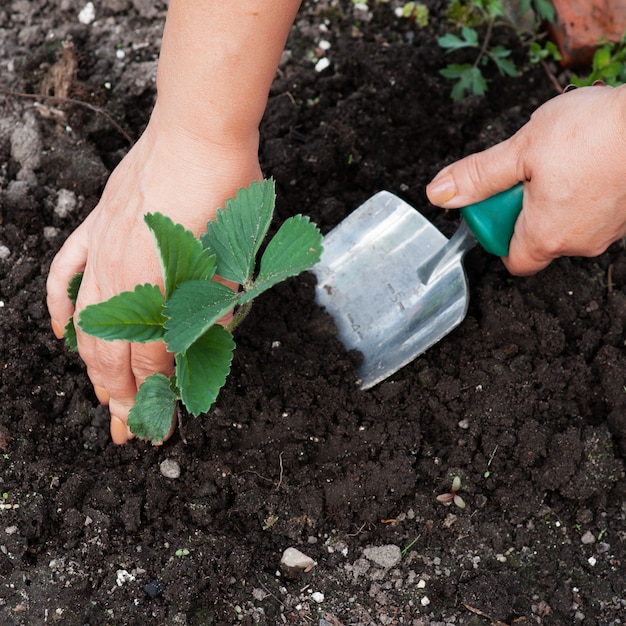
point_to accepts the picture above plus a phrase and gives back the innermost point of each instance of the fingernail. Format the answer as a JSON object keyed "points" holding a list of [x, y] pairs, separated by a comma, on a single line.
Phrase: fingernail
{"points": [[442, 189], [102, 394], [119, 430], [57, 329]]}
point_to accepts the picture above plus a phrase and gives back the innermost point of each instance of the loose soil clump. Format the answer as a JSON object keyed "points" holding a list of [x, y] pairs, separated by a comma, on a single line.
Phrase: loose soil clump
{"points": [[524, 401]]}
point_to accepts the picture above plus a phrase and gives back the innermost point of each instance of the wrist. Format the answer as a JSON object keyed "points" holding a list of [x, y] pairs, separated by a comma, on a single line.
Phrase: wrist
{"points": [[187, 176], [214, 134]]}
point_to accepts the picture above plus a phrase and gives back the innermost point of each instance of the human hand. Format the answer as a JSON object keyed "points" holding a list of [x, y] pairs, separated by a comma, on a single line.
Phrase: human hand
{"points": [[571, 156], [165, 171]]}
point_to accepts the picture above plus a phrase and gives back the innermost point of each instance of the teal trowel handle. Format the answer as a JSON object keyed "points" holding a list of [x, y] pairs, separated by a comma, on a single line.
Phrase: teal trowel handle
{"points": [[492, 221]]}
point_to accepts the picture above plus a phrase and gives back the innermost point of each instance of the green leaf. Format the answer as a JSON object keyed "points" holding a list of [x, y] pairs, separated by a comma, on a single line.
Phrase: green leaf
{"points": [[469, 79], [494, 8], [74, 286], [69, 333], [193, 308], [470, 36], [182, 256], [152, 414], [238, 230], [479, 84], [602, 57], [500, 55], [452, 42], [202, 370], [545, 10], [129, 316], [296, 247]]}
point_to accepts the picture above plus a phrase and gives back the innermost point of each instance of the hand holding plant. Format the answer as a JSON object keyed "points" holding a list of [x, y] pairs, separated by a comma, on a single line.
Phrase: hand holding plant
{"points": [[186, 315]]}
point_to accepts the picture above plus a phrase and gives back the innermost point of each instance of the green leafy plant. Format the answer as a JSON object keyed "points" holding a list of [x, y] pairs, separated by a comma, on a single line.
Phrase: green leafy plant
{"points": [[477, 20], [185, 314], [608, 65]]}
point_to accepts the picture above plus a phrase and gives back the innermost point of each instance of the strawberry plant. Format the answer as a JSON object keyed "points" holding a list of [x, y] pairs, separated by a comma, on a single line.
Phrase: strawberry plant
{"points": [[477, 20], [186, 311]]}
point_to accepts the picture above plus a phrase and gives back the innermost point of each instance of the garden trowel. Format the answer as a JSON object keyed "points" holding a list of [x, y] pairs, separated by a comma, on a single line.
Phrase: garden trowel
{"points": [[395, 285]]}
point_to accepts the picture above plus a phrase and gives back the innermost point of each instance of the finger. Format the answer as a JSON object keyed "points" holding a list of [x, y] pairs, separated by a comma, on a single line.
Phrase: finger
{"points": [[69, 261], [108, 367], [123, 379], [527, 255], [149, 358], [477, 176]]}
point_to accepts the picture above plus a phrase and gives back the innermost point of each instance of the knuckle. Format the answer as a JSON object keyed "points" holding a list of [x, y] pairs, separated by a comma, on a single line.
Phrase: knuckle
{"points": [[146, 360], [110, 361]]}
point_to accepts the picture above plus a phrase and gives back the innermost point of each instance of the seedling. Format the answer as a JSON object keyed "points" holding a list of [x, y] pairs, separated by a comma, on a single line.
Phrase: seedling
{"points": [[489, 462], [453, 496], [477, 20], [186, 312], [182, 552], [409, 546], [415, 11], [7, 503]]}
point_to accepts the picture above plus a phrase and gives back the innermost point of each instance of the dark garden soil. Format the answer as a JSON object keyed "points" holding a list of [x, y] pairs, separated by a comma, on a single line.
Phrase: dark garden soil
{"points": [[525, 401]]}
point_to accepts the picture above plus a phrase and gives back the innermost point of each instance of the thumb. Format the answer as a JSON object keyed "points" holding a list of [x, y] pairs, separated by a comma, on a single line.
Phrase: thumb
{"points": [[70, 260], [477, 176]]}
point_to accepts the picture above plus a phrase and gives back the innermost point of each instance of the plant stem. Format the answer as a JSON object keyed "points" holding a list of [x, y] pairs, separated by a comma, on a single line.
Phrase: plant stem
{"points": [[239, 316], [483, 48]]}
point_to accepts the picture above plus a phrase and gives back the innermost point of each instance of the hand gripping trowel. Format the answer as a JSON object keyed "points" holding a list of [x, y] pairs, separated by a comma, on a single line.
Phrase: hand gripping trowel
{"points": [[395, 285]]}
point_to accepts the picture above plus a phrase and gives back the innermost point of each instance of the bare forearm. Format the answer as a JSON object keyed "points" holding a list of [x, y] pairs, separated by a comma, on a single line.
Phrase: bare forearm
{"points": [[218, 60]]}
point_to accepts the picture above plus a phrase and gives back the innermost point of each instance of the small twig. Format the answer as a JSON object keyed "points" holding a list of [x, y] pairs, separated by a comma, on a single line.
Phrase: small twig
{"points": [[358, 532], [609, 278], [551, 76], [269, 592], [56, 99], [483, 49], [280, 477], [269, 480]]}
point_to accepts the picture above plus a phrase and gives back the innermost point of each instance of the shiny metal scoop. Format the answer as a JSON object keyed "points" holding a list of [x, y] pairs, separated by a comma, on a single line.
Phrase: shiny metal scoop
{"points": [[394, 284]]}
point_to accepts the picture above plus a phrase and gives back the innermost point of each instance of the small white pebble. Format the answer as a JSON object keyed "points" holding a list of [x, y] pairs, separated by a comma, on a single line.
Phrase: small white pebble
{"points": [[322, 64], [293, 560], [66, 202], [10, 530], [170, 468], [5, 253], [122, 576], [425, 601], [120, 54], [421, 583], [318, 597], [592, 561], [87, 14], [324, 44]]}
